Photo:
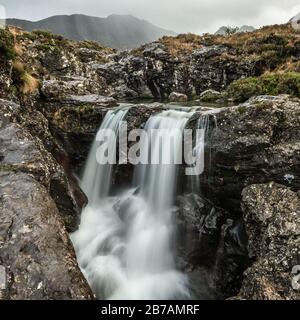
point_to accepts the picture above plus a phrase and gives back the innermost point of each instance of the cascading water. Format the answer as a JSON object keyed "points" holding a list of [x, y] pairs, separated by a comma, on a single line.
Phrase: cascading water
{"points": [[124, 245], [206, 122], [97, 179]]}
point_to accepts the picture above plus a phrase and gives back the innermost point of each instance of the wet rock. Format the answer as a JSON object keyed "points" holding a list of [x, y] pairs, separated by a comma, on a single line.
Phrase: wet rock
{"points": [[255, 142], [75, 127], [154, 72], [91, 99], [272, 218], [215, 67], [59, 90], [74, 121], [156, 50], [21, 151], [211, 248], [178, 97], [35, 250], [76, 101], [111, 71], [56, 61]]}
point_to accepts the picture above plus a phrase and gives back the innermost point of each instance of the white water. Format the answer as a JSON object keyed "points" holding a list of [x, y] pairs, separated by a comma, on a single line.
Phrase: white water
{"points": [[205, 125], [124, 245]]}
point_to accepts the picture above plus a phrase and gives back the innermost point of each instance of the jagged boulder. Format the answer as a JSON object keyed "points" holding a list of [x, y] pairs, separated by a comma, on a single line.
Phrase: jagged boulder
{"points": [[37, 259], [178, 97], [58, 90], [272, 218], [210, 96]]}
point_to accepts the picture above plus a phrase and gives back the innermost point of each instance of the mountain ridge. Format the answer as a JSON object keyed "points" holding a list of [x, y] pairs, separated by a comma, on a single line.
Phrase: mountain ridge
{"points": [[116, 31]]}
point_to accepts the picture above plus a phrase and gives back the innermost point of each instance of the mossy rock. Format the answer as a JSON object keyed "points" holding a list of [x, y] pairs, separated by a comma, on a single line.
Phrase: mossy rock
{"points": [[210, 96], [8, 168]]}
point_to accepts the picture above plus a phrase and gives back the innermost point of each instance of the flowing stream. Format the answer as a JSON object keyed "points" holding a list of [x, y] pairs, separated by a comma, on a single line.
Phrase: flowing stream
{"points": [[124, 244]]}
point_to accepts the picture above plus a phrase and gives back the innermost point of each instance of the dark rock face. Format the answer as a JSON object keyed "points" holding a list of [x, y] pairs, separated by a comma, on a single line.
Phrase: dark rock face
{"points": [[74, 121], [147, 76], [215, 67], [155, 73], [255, 142], [35, 250], [211, 248], [272, 217], [21, 150]]}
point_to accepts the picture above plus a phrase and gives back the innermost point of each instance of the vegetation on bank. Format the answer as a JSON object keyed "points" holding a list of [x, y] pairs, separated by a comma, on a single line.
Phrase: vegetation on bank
{"points": [[23, 81], [270, 83], [280, 38], [273, 50], [7, 49], [271, 47]]}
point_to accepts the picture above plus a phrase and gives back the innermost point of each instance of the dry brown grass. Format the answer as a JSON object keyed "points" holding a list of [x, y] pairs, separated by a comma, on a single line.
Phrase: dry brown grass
{"points": [[26, 82], [241, 39], [30, 84], [291, 65], [247, 42], [18, 48], [18, 66], [182, 44], [15, 31]]}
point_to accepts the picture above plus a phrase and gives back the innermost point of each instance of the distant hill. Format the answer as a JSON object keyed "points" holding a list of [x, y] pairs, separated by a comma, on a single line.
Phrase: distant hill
{"points": [[222, 30], [116, 31]]}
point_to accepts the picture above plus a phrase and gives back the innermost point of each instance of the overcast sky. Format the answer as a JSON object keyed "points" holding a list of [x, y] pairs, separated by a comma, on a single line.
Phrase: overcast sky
{"points": [[196, 16]]}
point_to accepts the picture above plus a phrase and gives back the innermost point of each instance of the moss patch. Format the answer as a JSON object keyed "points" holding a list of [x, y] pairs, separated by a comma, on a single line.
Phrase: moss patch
{"points": [[7, 45], [267, 84]]}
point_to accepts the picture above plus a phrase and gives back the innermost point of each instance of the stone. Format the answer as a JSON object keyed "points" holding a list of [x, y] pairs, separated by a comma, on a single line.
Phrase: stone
{"points": [[59, 90], [272, 219], [91, 99], [211, 247], [178, 97], [21, 150], [35, 248], [210, 96], [255, 142]]}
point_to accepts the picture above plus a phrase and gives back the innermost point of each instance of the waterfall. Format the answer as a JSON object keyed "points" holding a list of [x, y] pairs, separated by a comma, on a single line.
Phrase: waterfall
{"points": [[206, 122], [97, 179], [124, 244]]}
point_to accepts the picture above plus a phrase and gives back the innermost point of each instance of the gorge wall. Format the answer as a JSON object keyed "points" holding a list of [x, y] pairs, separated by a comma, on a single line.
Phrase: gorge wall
{"points": [[55, 95]]}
